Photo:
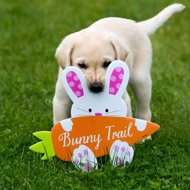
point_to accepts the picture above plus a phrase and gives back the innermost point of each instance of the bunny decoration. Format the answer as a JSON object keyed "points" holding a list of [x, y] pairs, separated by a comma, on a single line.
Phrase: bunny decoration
{"points": [[98, 123], [87, 103]]}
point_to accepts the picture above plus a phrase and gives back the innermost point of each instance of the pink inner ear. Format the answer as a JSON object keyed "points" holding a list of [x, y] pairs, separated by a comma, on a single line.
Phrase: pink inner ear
{"points": [[75, 83], [116, 80]]}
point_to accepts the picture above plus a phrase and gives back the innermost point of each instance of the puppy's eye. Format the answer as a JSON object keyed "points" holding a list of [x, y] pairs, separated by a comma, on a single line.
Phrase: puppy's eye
{"points": [[82, 65], [90, 110], [106, 110], [106, 64]]}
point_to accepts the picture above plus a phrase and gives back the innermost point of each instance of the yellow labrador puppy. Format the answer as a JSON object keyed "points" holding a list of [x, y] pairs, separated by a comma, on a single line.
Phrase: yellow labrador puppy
{"points": [[94, 48]]}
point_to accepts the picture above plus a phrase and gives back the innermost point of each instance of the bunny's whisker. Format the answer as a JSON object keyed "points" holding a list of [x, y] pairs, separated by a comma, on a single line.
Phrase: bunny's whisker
{"points": [[114, 111], [82, 110]]}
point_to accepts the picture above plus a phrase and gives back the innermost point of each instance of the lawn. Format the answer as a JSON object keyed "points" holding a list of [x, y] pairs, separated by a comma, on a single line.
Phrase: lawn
{"points": [[30, 32]]}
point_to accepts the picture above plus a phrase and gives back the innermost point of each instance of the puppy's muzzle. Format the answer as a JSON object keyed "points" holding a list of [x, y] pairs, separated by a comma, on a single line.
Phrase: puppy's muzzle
{"points": [[96, 87]]}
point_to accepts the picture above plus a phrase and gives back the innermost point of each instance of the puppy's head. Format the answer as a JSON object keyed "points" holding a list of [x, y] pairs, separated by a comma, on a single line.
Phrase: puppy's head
{"points": [[91, 51]]}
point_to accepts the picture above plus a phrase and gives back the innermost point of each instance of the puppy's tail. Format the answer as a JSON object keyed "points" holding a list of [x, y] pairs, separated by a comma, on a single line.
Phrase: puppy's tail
{"points": [[151, 25]]}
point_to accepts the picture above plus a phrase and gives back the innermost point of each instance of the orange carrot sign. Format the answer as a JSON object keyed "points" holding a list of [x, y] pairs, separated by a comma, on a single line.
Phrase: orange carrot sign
{"points": [[98, 133], [93, 136]]}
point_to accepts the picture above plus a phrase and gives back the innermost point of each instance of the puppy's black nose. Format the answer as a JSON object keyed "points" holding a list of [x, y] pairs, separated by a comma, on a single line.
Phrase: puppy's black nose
{"points": [[96, 87]]}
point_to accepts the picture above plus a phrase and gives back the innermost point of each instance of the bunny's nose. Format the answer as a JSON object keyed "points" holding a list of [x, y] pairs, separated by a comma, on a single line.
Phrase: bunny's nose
{"points": [[98, 114], [96, 87]]}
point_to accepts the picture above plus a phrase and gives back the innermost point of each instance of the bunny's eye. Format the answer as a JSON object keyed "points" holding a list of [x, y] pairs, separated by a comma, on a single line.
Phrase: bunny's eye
{"points": [[90, 110], [106, 110]]}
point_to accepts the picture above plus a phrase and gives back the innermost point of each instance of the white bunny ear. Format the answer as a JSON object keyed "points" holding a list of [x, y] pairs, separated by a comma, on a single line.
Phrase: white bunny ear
{"points": [[117, 77], [74, 82]]}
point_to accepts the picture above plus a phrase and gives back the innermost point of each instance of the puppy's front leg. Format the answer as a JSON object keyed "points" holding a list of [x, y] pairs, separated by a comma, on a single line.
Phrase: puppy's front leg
{"points": [[127, 100], [61, 102]]}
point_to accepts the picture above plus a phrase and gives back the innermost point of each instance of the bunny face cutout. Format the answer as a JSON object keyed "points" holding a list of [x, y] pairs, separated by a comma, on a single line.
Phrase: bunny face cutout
{"points": [[107, 103]]}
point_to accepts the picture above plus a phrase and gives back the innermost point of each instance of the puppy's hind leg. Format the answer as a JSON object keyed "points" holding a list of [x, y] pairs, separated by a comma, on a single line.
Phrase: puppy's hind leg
{"points": [[140, 80], [141, 85]]}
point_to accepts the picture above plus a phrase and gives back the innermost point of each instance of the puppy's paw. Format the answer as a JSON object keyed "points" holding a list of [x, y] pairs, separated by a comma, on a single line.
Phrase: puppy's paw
{"points": [[147, 138], [120, 153], [84, 159], [67, 124]]}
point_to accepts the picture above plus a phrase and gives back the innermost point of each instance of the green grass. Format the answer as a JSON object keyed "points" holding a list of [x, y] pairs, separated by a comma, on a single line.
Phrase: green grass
{"points": [[30, 32]]}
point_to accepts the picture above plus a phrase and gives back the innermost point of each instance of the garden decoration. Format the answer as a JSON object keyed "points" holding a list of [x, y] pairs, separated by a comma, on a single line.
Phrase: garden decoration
{"points": [[98, 123]]}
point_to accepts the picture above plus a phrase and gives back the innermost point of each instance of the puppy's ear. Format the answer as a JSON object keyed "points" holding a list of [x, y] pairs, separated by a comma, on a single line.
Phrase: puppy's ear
{"points": [[119, 47], [64, 52]]}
